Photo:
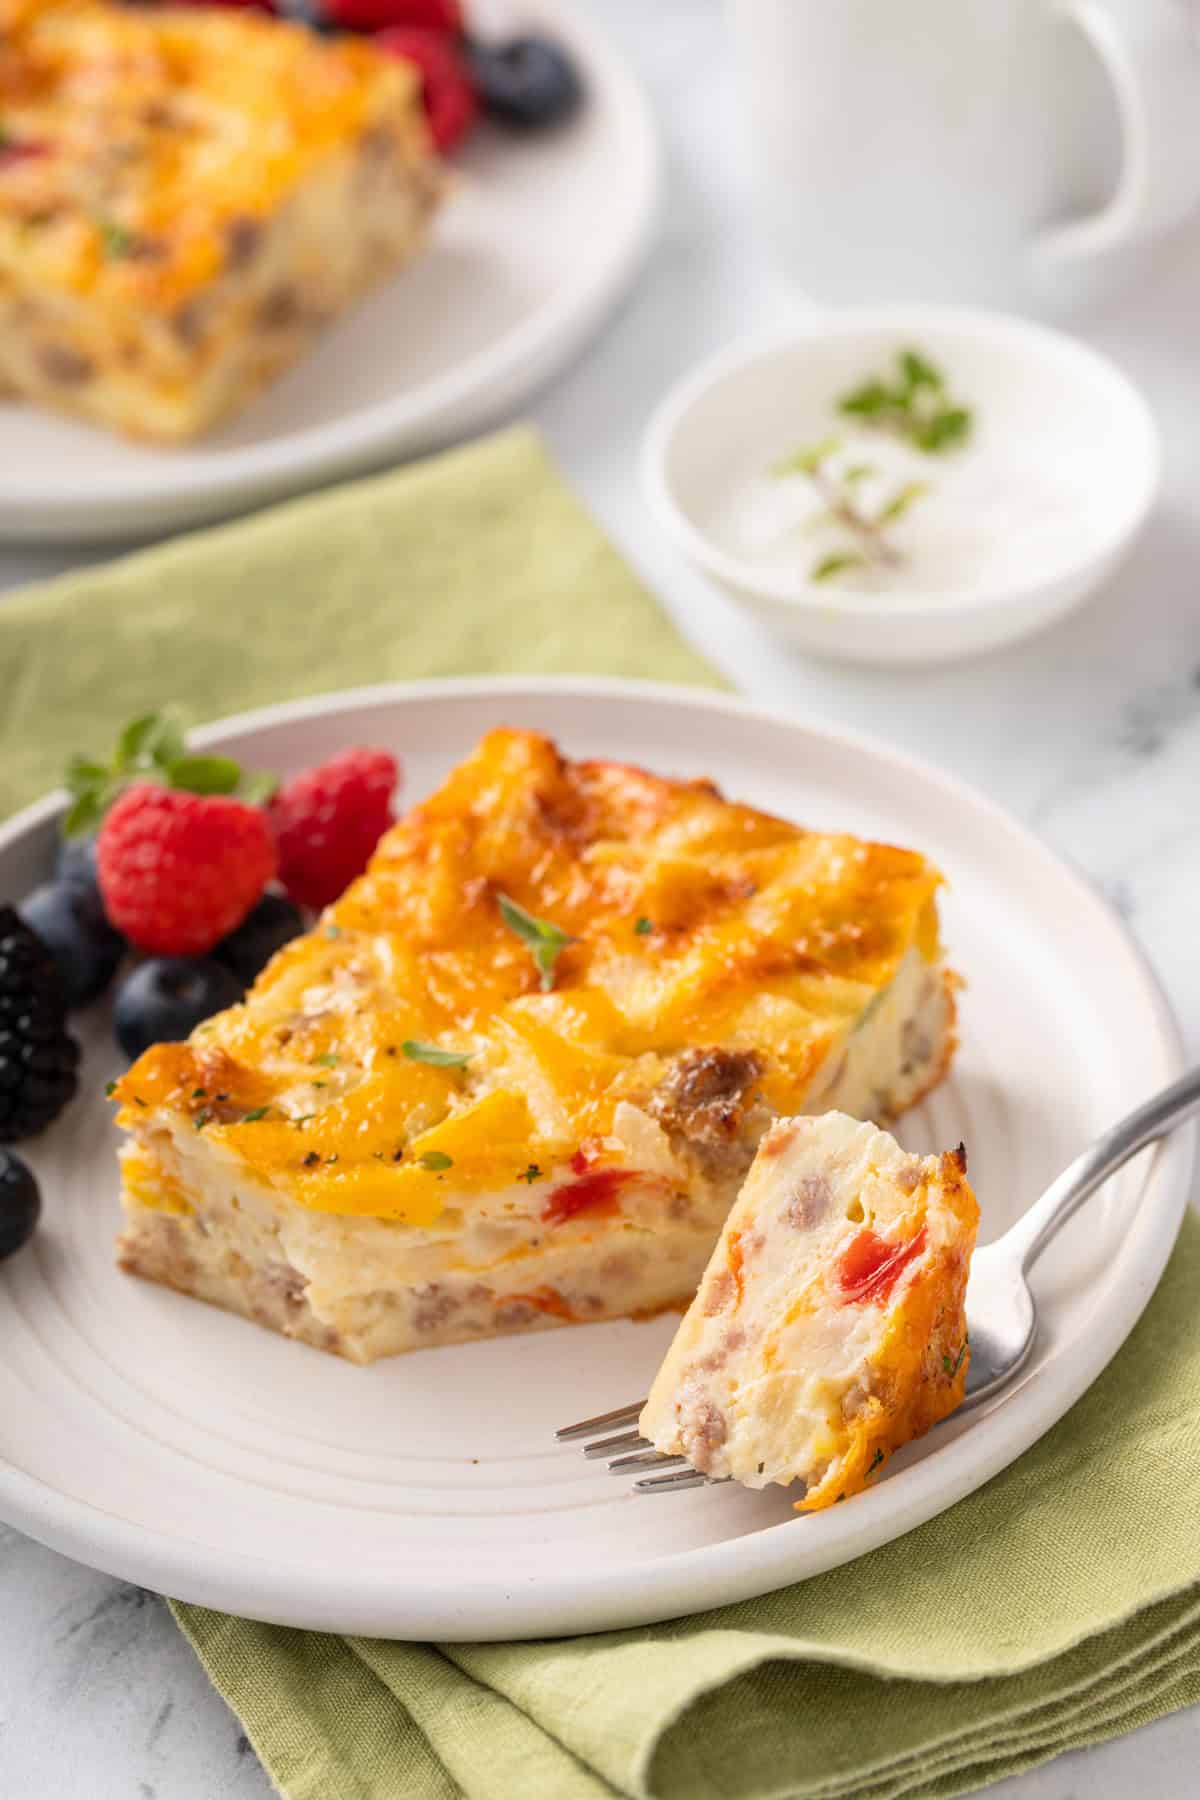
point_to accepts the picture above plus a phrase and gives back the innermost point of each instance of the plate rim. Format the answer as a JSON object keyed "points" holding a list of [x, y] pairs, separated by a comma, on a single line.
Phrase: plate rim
{"points": [[439, 410], [512, 1607]]}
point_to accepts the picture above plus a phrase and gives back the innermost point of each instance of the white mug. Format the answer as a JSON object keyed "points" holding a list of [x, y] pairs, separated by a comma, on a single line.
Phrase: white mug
{"points": [[975, 150]]}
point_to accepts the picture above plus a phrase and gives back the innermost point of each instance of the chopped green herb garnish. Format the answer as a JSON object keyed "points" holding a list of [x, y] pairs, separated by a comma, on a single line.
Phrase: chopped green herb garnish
{"points": [[201, 1119], [328, 1060], [252, 1118], [644, 927], [531, 1174], [835, 564], [332, 932], [912, 404], [544, 940], [436, 1159], [808, 459], [303, 1119], [436, 1058], [311, 1160], [110, 1088], [901, 500], [117, 241], [199, 1093], [876, 1462]]}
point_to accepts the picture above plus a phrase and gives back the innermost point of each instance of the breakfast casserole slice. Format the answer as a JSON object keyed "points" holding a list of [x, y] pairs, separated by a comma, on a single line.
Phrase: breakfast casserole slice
{"points": [[515, 1076], [830, 1326], [187, 196]]}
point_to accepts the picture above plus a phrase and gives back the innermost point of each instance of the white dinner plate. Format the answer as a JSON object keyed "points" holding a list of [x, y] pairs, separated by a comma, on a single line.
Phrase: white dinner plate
{"points": [[425, 1497], [526, 260]]}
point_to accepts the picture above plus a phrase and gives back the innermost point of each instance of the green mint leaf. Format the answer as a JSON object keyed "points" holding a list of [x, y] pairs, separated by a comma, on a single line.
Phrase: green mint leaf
{"points": [[430, 1053], [257, 787], [83, 774], [436, 1159], [82, 816], [808, 459], [204, 774], [133, 745], [545, 941], [835, 564], [901, 500]]}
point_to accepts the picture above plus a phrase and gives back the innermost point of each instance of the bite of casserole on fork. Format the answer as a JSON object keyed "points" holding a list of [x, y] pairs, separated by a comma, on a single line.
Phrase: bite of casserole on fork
{"points": [[829, 1328]]}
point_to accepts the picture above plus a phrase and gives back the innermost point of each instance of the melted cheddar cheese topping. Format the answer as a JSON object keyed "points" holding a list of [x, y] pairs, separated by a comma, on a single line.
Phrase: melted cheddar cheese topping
{"points": [[143, 145], [694, 922]]}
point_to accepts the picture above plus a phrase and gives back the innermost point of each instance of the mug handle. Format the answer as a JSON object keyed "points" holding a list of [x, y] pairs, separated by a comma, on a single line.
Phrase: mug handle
{"points": [[1151, 52]]}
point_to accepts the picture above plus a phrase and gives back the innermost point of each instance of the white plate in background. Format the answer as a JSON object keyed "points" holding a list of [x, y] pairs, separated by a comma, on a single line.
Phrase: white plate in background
{"points": [[526, 260], [424, 1497]]}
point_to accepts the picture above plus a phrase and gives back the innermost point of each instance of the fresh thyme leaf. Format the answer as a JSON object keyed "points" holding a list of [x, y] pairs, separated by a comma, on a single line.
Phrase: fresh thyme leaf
{"points": [[436, 1159], [914, 405], [431, 1054], [901, 500], [808, 459], [252, 1118], [919, 372], [328, 1060], [944, 431], [834, 564], [544, 940], [644, 927], [868, 400], [118, 242]]}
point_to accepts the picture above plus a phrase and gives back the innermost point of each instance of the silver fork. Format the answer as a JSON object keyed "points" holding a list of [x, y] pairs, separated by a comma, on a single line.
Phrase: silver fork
{"points": [[1001, 1311]]}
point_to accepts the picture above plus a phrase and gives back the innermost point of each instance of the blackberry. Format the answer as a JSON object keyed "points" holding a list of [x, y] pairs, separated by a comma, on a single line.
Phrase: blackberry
{"points": [[39, 1063]]}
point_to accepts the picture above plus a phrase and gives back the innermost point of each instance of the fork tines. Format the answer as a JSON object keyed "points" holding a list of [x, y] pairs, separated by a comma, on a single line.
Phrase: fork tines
{"points": [[629, 1453]]}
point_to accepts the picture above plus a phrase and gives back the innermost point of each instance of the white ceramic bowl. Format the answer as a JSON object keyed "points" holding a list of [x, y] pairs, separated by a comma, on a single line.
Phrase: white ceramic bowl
{"points": [[1061, 471]]}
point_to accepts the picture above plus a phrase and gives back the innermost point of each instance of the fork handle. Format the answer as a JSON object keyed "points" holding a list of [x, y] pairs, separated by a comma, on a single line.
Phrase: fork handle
{"points": [[1090, 1170]]}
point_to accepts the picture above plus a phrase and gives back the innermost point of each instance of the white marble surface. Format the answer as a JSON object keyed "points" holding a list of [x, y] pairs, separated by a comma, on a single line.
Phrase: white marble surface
{"points": [[1092, 733]]}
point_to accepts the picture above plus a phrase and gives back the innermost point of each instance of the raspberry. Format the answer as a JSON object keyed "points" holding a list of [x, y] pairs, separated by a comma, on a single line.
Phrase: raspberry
{"points": [[329, 819], [374, 15], [451, 103], [179, 870]]}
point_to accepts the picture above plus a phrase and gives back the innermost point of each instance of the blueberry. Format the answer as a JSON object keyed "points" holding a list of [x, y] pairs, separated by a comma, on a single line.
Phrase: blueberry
{"points": [[264, 930], [20, 1203], [164, 998], [76, 861], [70, 921], [528, 81]]}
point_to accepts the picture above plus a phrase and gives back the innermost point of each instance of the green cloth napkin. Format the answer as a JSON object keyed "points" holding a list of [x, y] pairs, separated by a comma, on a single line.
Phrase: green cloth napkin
{"points": [[1057, 1607]]}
